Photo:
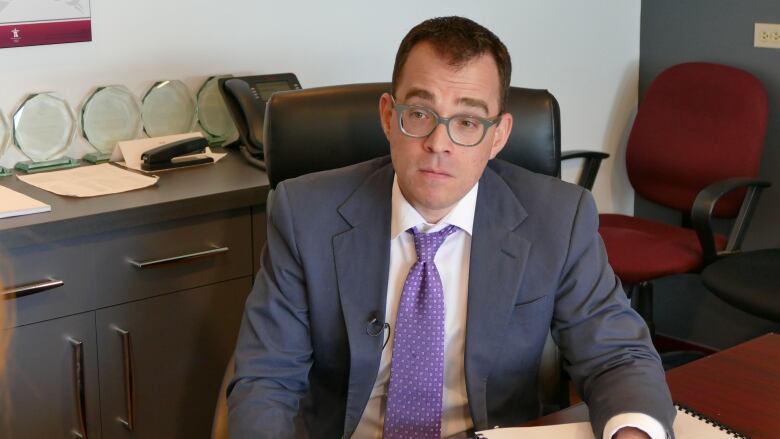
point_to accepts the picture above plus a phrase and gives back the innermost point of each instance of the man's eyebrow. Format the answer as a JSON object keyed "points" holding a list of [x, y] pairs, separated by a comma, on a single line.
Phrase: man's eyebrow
{"points": [[428, 96], [477, 103], [419, 93]]}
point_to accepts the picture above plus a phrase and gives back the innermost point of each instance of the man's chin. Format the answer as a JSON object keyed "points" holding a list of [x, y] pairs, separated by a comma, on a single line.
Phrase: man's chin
{"points": [[440, 207]]}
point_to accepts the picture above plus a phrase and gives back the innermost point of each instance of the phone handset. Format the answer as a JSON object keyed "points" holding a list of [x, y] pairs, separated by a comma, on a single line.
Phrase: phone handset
{"points": [[253, 111], [245, 98]]}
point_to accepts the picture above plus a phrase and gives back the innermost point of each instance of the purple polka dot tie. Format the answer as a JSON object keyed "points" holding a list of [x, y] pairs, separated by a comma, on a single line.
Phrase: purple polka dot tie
{"points": [[417, 369]]}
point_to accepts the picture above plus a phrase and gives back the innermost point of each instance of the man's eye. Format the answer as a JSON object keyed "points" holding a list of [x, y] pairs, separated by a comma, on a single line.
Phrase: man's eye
{"points": [[468, 123], [418, 114]]}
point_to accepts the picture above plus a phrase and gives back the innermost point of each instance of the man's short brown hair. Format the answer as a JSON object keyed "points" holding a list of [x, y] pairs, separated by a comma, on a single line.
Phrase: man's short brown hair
{"points": [[459, 40]]}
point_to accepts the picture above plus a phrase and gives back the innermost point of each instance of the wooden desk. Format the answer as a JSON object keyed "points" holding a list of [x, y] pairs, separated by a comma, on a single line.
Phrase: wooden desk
{"points": [[739, 387]]}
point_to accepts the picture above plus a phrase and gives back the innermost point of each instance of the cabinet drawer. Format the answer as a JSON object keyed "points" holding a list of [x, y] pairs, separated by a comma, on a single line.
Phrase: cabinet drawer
{"points": [[171, 256], [45, 281]]}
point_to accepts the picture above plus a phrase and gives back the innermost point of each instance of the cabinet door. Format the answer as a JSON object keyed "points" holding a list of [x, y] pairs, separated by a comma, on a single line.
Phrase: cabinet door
{"points": [[162, 360], [51, 386]]}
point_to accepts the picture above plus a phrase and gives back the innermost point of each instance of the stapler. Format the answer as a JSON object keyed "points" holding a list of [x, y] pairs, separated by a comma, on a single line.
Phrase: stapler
{"points": [[176, 155]]}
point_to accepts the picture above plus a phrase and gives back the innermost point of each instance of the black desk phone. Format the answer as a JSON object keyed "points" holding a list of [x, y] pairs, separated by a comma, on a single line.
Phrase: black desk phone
{"points": [[245, 98]]}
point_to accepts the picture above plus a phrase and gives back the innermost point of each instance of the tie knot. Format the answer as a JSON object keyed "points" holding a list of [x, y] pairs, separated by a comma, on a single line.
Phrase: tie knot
{"points": [[427, 244]]}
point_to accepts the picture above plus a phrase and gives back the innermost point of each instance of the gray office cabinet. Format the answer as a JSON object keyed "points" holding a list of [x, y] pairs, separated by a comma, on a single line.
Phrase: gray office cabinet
{"points": [[161, 360], [126, 307], [51, 386]]}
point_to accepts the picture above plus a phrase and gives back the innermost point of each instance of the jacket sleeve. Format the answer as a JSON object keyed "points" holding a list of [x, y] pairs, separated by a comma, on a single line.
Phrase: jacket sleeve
{"points": [[606, 344], [273, 352]]}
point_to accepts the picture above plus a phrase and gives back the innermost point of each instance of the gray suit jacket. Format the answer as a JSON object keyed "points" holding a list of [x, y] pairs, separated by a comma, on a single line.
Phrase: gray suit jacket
{"points": [[305, 364]]}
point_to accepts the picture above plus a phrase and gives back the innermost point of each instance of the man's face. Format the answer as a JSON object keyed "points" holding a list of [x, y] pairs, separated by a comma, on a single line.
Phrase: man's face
{"points": [[433, 172]]}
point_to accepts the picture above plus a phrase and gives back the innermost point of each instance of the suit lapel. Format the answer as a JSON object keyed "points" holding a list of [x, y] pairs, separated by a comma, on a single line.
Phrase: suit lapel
{"points": [[498, 257], [362, 256]]}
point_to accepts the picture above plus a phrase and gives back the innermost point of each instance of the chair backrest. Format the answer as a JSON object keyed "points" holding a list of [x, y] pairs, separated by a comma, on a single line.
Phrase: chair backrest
{"points": [[329, 127], [698, 123]]}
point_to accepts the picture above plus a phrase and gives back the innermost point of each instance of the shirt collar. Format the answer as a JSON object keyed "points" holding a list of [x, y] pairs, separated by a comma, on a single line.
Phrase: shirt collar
{"points": [[404, 216]]}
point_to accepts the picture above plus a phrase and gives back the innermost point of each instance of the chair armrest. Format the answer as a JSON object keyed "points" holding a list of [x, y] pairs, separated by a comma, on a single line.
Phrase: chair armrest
{"points": [[591, 167], [701, 213]]}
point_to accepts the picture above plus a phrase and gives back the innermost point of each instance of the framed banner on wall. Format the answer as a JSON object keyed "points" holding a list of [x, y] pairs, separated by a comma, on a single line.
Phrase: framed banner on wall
{"points": [[37, 22]]}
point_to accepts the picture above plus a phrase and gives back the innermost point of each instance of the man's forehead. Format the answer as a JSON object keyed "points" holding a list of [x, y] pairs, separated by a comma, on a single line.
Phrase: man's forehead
{"points": [[426, 95], [427, 71]]}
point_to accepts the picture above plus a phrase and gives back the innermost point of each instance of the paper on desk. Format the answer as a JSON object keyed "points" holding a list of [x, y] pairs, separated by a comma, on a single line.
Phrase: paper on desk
{"points": [[13, 203], [686, 426], [576, 430], [89, 181], [128, 153]]}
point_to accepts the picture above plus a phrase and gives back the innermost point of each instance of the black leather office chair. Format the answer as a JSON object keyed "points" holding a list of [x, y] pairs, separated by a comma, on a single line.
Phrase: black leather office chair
{"points": [[325, 128], [330, 127]]}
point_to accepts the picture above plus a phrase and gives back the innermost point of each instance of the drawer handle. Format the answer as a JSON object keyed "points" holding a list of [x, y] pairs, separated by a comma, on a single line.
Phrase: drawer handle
{"points": [[210, 252], [26, 290], [78, 377], [127, 357]]}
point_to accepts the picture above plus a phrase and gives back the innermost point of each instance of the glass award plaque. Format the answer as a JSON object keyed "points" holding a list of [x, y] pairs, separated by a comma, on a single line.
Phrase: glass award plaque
{"points": [[43, 127], [111, 114], [213, 114], [5, 135], [168, 108]]}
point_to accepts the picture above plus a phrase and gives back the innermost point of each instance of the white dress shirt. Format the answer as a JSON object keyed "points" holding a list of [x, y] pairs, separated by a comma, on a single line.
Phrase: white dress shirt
{"points": [[452, 262]]}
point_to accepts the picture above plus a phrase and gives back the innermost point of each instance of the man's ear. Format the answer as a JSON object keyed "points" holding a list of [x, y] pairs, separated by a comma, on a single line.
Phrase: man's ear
{"points": [[503, 129], [386, 113]]}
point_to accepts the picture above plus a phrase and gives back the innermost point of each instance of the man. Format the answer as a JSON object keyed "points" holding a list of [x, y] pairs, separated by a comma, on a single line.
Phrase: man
{"points": [[411, 296]]}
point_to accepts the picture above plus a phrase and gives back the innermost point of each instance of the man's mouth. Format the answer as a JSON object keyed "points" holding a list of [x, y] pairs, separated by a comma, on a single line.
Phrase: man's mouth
{"points": [[431, 172]]}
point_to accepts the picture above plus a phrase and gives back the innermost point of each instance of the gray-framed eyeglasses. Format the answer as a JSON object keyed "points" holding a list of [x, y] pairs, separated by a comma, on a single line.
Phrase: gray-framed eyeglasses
{"points": [[464, 130]]}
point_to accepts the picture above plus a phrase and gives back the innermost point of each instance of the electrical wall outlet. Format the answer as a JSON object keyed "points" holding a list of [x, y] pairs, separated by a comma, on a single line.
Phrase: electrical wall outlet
{"points": [[767, 35]]}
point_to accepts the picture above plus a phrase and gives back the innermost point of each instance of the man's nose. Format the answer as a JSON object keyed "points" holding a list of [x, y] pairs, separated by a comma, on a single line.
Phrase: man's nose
{"points": [[439, 140]]}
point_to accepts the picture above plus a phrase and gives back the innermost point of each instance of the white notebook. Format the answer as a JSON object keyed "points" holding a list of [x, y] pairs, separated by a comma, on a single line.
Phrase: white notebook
{"points": [[13, 203], [688, 424]]}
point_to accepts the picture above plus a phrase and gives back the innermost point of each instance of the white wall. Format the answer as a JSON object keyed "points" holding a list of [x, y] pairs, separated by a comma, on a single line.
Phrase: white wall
{"points": [[586, 53]]}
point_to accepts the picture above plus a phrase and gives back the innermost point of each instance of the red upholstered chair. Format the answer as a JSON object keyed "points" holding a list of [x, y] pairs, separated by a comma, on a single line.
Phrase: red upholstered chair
{"points": [[698, 136]]}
